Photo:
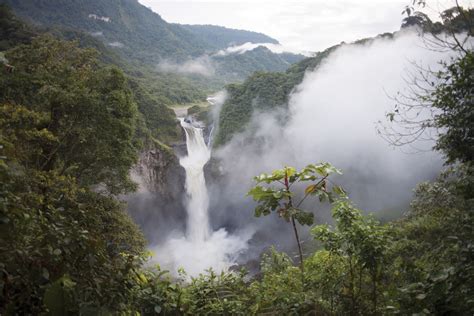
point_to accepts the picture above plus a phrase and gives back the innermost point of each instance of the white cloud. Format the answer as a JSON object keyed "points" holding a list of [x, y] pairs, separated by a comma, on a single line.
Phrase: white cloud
{"points": [[100, 18], [201, 66], [305, 25], [276, 48], [116, 44]]}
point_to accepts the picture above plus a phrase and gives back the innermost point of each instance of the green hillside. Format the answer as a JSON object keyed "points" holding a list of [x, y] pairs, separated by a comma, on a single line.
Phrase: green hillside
{"points": [[134, 30], [76, 118], [236, 67], [143, 39]]}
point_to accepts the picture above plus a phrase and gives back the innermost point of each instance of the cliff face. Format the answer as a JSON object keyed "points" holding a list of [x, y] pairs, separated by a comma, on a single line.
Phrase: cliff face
{"points": [[160, 172], [158, 205]]}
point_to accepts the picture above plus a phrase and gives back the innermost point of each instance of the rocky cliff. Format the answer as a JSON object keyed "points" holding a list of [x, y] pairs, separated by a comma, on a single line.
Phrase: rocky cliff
{"points": [[158, 203]]}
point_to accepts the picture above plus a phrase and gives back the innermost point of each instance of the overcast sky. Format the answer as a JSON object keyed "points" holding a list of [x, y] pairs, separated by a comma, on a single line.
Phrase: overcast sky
{"points": [[306, 25]]}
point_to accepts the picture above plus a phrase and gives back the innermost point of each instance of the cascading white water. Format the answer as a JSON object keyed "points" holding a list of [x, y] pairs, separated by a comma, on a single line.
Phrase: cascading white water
{"points": [[199, 248], [198, 199], [211, 133]]}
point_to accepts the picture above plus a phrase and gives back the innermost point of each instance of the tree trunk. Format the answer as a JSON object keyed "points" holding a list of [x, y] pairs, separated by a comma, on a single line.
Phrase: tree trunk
{"points": [[300, 251], [374, 289], [290, 205]]}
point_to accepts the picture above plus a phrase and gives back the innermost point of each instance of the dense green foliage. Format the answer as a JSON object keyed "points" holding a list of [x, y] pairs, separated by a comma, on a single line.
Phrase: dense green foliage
{"points": [[71, 127], [359, 246], [67, 129], [158, 120], [135, 30], [454, 99], [88, 110], [12, 30], [433, 247], [127, 32], [236, 67]]}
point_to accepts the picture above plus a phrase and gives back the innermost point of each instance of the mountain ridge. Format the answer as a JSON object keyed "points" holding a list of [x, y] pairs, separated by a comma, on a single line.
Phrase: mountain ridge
{"points": [[144, 39], [222, 37]]}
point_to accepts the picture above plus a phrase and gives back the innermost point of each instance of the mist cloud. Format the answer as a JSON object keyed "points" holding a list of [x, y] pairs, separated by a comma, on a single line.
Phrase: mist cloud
{"points": [[275, 48], [206, 66], [116, 44], [202, 65], [333, 116]]}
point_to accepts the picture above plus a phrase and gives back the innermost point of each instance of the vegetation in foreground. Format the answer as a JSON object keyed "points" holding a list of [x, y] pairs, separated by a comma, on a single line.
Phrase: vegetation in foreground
{"points": [[67, 247]]}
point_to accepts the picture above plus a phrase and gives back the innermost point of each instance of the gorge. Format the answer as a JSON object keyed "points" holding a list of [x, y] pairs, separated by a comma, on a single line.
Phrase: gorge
{"points": [[345, 122], [198, 248], [156, 168]]}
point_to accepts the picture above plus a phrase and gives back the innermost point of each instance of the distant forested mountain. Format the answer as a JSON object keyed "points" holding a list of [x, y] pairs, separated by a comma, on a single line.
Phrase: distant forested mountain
{"points": [[142, 37], [235, 67], [132, 37], [136, 31], [221, 37]]}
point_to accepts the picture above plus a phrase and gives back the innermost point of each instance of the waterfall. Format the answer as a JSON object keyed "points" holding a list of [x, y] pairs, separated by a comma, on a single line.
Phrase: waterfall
{"points": [[211, 133], [199, 248], [198, 200]]}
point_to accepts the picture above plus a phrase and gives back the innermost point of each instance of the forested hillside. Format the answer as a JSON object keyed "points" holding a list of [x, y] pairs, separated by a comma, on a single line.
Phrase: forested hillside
{"points": [[133, 29], [66, 248], [77, 117], [153, 92], [234, 67], [144, 39]]}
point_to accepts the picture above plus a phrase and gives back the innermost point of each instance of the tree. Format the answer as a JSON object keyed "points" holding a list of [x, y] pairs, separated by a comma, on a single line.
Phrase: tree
{"points": [[66, 136], [441, 101], [12, 30], [89, 111], [281, 198], [431, 255], [454, 100], [55, 231], [417, 18], [361, 242]]}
